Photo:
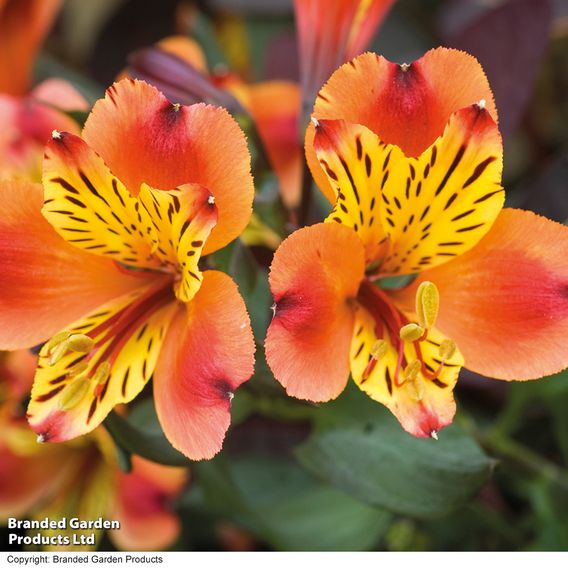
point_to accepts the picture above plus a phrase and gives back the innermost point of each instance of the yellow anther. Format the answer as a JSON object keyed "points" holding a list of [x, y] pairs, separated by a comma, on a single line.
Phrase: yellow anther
{"points": [[56, 340], [57, 353], [78, 369], [73, 394], [447, 349], [176, 106], [413, 381], [411, 332], [102, 373], [379, 349], [427, 304], [80, 343]]}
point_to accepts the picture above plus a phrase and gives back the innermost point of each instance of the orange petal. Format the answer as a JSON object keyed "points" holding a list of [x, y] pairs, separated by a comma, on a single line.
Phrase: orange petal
{"points": [[314, 277], [207, 353], [142, 137], [46, 283], [369, 17], [187, 49], [23, 27], [275, 107], [61, 94], [505, 302], [147, 520], [406, 106]]}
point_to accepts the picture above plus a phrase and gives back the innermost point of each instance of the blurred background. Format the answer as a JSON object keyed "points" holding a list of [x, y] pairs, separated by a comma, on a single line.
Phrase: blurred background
{"points": [[343, 476]]}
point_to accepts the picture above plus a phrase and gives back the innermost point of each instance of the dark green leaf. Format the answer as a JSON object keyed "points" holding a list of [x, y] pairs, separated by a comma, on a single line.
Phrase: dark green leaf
{"points": [[360, 448], [288, 508]]}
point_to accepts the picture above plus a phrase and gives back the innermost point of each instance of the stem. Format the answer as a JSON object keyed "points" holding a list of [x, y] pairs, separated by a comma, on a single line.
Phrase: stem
{"points": [[306, 200]]}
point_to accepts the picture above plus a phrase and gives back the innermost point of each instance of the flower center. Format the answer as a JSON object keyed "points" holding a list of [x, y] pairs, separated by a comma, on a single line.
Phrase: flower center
{"points": [[402, 333]]}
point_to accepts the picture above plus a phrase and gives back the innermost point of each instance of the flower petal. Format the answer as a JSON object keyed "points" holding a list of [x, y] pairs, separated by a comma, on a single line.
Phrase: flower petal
{"points": [[46, 283], [356, 164], [369, 17], [89, 207], [423, 406], [23, 27], [404, 105], [275, 106], [147, 522], [314, 278], [505, 302], [182, 219], [142, 137], [207, 354], [74, 394], [439, 206]]}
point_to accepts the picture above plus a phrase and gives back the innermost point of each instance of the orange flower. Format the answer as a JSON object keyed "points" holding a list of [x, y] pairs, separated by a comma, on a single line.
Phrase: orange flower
{"points": [[112, 270], [330, 33], [27, 118], [411, 158]]}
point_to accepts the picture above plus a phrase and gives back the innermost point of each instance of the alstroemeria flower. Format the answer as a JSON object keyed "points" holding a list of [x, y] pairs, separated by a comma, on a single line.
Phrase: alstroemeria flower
{"points": [[330, 33], [411, 158], [27, 118], [148, 190], [177, 66]]}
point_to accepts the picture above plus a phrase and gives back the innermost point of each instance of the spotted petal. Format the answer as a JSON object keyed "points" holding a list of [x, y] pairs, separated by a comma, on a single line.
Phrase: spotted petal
{"points": [[90, 207], [423, 405], [74, 393], [182, 219]]}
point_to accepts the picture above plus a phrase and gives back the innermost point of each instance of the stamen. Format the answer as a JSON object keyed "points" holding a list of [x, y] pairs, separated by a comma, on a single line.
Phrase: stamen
{"points": [[65, 341], [404, 67], [74, 393], [102, 373], [414, 382], [78, 369], [176, 107], [447, 349], [411, 332], [379, 349], [427, 304]]}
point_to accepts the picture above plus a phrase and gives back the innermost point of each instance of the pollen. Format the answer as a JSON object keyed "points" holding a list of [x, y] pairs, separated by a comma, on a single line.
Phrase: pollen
{"points": [[411, 332], [427, 304]]}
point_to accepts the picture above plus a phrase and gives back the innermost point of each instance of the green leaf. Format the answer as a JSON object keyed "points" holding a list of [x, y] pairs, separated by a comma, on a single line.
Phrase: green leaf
{"points": [[359, 447], [286, 507], [141, 434]]}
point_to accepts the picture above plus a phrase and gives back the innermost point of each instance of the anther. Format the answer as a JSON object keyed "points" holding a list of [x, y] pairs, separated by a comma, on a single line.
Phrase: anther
{"points": [[78, 369], [273, 309], [315, 121], [176, 107], [434, 434], [447, 349], [211, 200], [56, 340], [427, 304], [411, 332], [102, 373], [413, 381], [80, 343], [55, 134], [73, 394], [40, 438], [379, 349], [481, 104], [404, 67]]}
